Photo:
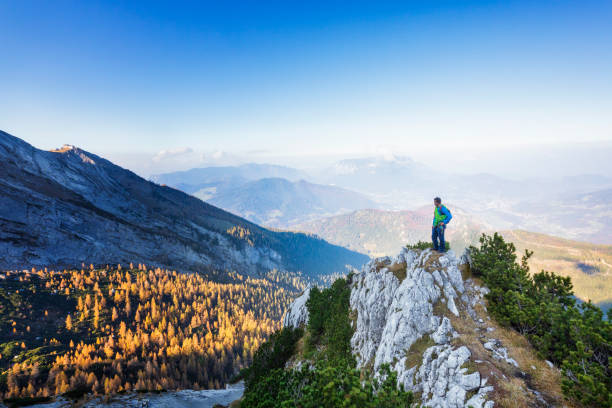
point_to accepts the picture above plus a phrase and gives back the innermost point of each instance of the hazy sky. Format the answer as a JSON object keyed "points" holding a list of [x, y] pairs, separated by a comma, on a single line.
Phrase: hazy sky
{"points": [[163, 80]]}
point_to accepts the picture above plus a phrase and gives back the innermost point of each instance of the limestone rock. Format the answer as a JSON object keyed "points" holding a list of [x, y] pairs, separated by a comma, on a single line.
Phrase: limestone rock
{"points": [[297, 314], [403, 302]]}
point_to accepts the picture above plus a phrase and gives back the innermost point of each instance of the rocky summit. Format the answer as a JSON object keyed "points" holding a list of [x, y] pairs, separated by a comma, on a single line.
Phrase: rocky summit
{"points": [[422, 314]]}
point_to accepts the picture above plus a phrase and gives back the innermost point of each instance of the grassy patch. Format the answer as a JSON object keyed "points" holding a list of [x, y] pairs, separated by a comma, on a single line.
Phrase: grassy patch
{"points": [[414, 355], [421, 245], [471, 366], [398, 270]]}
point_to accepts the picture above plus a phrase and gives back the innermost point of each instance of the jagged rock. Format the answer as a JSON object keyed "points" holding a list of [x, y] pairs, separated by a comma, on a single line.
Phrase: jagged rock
{"points": [[444, 333], [401, 301], [465, 258], [499, 352], [297, 314]]}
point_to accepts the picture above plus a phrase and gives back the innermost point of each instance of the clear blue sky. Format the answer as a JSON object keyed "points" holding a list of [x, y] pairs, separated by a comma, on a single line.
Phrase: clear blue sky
{"points": [[304, 77]]}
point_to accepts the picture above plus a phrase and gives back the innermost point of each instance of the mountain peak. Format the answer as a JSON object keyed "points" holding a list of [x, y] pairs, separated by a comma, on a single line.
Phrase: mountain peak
{"points": [[86, 157]]}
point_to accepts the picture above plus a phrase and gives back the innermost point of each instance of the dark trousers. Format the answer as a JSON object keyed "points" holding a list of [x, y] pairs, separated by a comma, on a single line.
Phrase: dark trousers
{"points": [[437, 233]]}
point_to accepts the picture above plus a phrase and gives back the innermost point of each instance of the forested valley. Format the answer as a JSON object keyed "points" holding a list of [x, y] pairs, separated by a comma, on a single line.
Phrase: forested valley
{"points": [[115, 329]]}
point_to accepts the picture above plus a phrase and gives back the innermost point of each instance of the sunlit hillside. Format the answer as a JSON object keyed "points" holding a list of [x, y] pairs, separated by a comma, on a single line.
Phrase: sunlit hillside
{"points": [[119, 329], [589, 265]]}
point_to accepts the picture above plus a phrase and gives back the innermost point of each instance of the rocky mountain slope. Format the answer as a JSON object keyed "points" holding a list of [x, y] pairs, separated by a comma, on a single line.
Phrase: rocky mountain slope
{"points": [[68, 206], [422, 314]]}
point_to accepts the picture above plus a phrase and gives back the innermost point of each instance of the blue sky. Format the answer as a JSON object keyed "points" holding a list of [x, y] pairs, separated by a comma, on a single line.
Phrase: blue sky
{"points": [[304, 78]]}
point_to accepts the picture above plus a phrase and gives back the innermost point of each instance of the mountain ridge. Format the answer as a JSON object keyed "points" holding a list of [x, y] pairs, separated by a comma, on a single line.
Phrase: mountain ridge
{"points": [[103, 213]]}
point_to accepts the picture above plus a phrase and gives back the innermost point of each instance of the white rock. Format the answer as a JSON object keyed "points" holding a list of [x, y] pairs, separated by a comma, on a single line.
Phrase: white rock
{"points": [[444, 332], [393, 315], [297, 314]]}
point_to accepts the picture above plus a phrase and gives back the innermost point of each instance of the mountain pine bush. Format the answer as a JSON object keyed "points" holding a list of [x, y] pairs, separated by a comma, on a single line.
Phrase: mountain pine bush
{"points": [[542, 307], [330, 378], [421, 245]]}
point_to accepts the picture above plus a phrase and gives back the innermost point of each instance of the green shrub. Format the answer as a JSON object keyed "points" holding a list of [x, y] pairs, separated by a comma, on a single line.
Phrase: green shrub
{"points": [[426, 245], [271, 355], [332, 380], [326, 386], [542, 307], [329, 325]]}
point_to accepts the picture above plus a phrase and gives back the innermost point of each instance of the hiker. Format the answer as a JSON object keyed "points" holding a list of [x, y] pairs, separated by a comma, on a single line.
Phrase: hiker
{"points": [[441, 217]]}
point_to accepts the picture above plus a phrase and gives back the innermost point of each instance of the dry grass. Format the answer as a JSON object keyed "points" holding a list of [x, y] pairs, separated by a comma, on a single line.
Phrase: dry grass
{"points": [[511, 384], [466, 271], [511, 394], [432, 262], [399, 270], [414, 356]]}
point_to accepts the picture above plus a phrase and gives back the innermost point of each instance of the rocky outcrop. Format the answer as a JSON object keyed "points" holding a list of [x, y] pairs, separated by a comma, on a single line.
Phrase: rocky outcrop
{"points": [[403, 309], [297, 314], [402, 306]]}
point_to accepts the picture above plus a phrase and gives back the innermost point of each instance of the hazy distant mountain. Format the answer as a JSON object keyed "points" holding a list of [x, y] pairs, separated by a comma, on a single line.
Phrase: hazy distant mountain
{"points": [[378, 233], [379, 175], [278, 202], [206, 182], [69, 206], [574, 207], [579, 216]]}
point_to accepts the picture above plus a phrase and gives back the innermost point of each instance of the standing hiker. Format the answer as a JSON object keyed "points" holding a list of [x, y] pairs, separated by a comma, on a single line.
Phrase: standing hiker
{"points": [[441, 217]]}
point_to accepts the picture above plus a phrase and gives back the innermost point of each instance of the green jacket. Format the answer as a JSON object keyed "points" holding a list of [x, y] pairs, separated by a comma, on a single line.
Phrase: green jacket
{"points": [[441, 216]]}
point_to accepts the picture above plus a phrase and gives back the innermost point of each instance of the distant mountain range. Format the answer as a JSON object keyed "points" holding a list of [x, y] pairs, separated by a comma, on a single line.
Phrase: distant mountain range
{"points": [[206, 182], [576, 207], [63, 207], [269, 195], [279, 202]]}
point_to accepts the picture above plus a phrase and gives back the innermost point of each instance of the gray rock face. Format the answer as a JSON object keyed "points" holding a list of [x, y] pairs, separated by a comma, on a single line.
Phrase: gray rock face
{"points": [[65, 207], [395, 313], [499, 352], [297, 314]]}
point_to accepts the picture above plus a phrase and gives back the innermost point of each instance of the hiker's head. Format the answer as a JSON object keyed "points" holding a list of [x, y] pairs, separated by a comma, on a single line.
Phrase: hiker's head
{"points": [[437, 201]]}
